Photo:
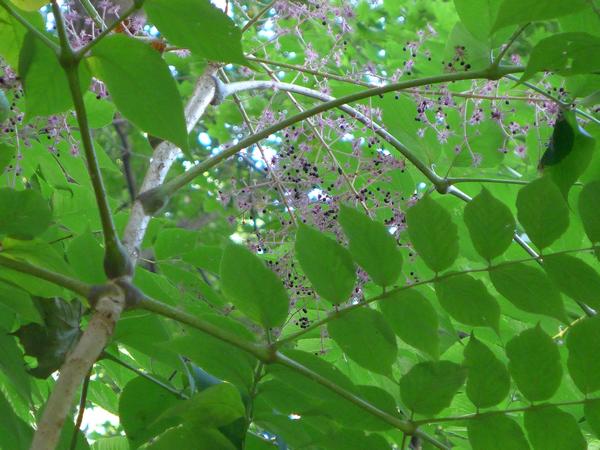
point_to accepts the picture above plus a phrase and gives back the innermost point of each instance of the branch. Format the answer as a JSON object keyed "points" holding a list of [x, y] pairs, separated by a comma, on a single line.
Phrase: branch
{"points": [[155, 199], [79, 287], [37, 33], [258, 15], [163, 157], [93, 13], [75, 368], [509, 44]]}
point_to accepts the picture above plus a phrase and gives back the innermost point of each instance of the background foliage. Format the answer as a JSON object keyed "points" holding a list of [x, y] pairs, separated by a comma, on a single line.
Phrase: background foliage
{"points": [[416, 269]]}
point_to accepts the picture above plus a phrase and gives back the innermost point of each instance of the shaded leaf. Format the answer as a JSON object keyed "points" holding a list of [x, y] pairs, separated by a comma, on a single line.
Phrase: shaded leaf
{"points": [[432, 233], [534, 363], [523, 11], [497, 432], [13, 366], [23, 214], [591, 409], [549, 428], [583, 342], [574, 277], [371, 246], [252, 287], [326, 263], [589, 211]]}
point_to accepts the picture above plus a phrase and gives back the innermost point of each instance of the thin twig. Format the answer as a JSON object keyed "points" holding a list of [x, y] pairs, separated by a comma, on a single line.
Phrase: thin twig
{"points": [[82, 402]]}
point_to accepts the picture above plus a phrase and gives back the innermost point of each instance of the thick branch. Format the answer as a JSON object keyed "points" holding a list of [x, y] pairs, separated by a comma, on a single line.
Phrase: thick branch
{"points": [[75, 368]]}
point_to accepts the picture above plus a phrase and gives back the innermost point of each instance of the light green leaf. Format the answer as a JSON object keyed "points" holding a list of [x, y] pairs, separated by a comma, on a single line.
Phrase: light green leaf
{"points": [[23, 214], [29, 5], [574, 277], [583, 342], [141, 85], [413, 319], [111, 443], [326, 263], [523, 11], [12, 34], [371, 246], [534, 364], [468, 301], [497, 432], [14, 432], [20, 302], [13, 366], [478, 16], [488, 381], [589, 211], [432, 233], [565, 54], [529, 289], [549, 428], [491, 224], [141, 404], [44, 80], [430, 386], [214, 406], [184, 437], [197, 25], [252, 287], [7, 152], [100, 112], [355, 329], [542, 211]]}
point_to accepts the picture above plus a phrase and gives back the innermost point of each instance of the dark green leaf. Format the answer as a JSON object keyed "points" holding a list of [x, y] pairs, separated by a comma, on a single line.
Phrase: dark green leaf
{"points": [[591, 410], [358, 332], [491, 224], [542, 211], [565, 54], [198, 25], [468, 301], [529, 289], [589, 211], [550, 428], [252, 287], [523, 11], [23, 214], [432, 233], [142, 87], [488, 381], [583, 342], [430, 386], [20, 302], [534, 364], [574, 277], [497, 432], [413, 319], [326, 263], [371, 246], [7, 152], [14, 432], [13, 366]]}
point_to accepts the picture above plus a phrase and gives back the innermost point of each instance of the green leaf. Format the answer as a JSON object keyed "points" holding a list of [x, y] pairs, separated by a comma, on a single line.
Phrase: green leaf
{"points": [[529, 289], [583, 342], [141, 406], [20, 302], [7, 152], [551, 428], [252, 287], [44, 80], [371, 246], [589, 211], [491, 225], [478, 16], [542, 211], [432, 233], [14, 432], [5, 156], [591, 409], [514, 12], [488, 381], [569, 152], [326, 263], [190, 437], [468, 301], [364, 325], [23, 214], [13, 366], [413, 319], [534, 364], [497, 432], [86, 257], [100, 112], [12, 33], [574, 277], [29, 5], [214, 406], [142, 87], [430, 386], [198, 25], [565, 54]]}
